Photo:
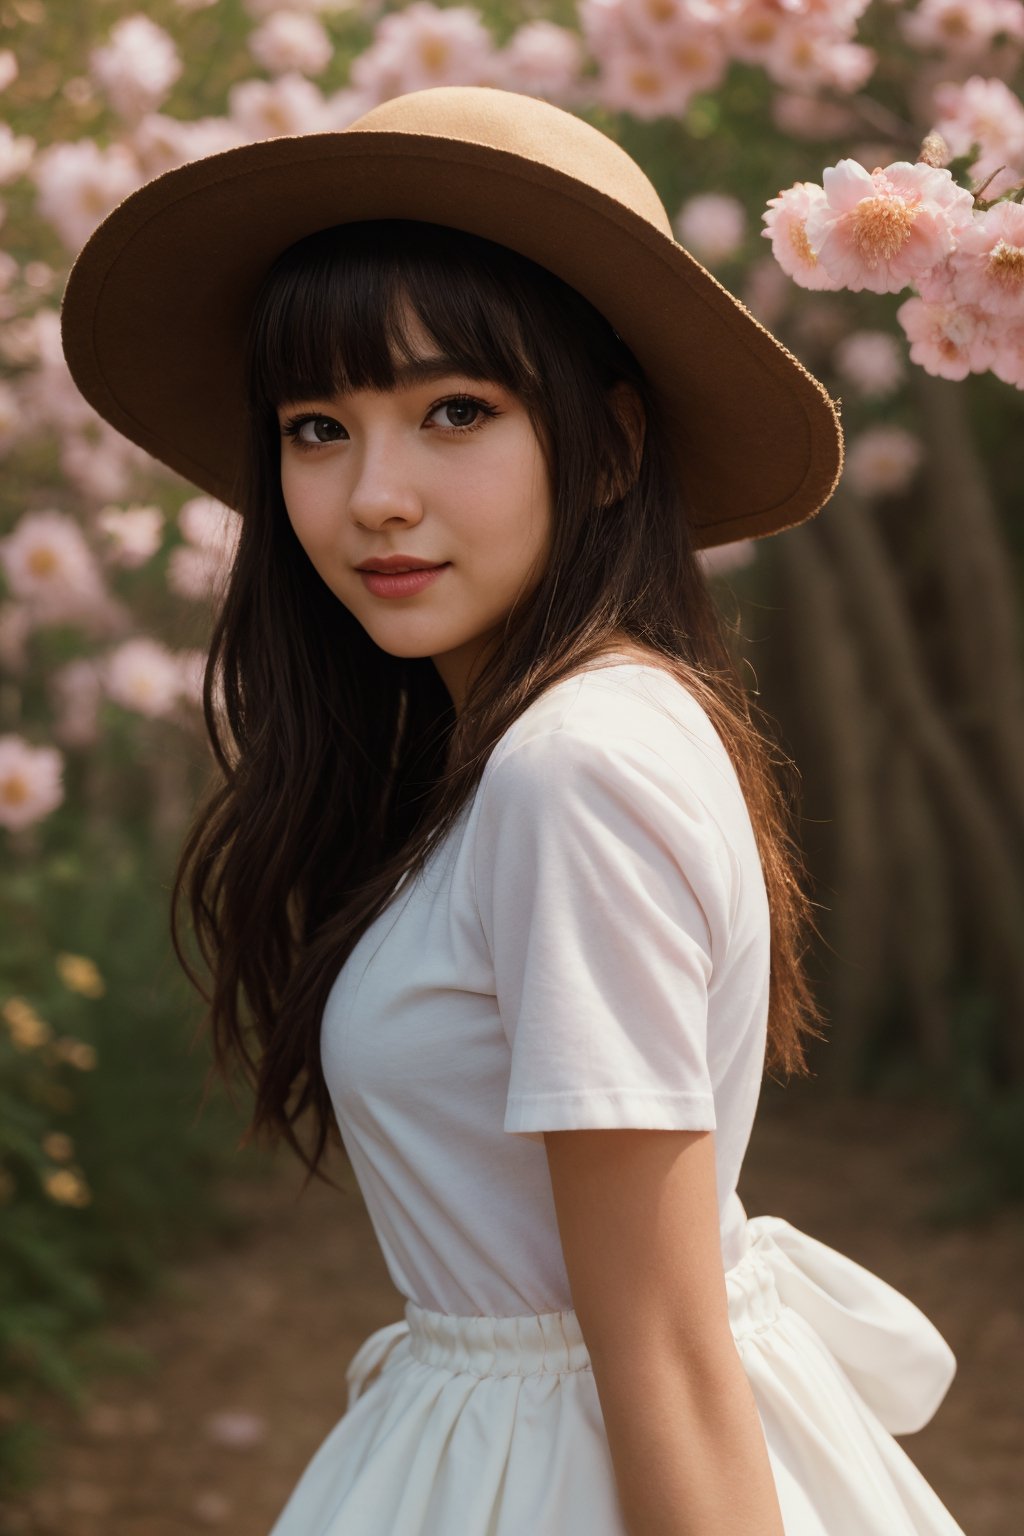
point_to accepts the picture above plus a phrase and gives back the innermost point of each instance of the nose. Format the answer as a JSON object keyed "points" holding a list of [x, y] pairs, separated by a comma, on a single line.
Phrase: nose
{"points": [[383, 490]]}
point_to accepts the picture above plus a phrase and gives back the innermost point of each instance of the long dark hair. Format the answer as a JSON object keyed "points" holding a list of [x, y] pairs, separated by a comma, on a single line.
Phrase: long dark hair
{"points": [[341, 767]]}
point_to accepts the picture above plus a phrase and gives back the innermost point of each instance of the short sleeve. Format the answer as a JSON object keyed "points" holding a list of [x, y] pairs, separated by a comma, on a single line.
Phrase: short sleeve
{"points": [[601, 884]]}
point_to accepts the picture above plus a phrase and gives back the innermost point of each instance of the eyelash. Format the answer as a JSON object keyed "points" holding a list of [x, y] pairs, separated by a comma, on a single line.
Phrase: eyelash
{"points": [[292, 426]]}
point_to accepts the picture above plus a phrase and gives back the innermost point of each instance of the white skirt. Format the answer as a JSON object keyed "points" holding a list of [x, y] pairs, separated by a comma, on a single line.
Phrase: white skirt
{"points": [[491, 1426]]}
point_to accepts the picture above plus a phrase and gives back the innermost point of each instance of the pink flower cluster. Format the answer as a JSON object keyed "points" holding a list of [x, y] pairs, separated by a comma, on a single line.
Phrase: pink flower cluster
{"points": [[913, 225], [986, 116], [425, 44], [31, 782], [654, 55], [963, 28]]}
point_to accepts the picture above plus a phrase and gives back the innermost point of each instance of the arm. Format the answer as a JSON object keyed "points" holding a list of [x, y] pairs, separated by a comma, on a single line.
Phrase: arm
{"points": [[638, 1217]]}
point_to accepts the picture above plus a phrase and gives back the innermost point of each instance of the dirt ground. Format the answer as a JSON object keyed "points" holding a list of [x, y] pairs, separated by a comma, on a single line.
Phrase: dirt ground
{"points": [[249, 1344]]}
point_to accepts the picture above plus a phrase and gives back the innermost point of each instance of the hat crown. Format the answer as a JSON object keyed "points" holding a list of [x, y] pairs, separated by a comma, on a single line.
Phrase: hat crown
{"points": [[525, 126]]}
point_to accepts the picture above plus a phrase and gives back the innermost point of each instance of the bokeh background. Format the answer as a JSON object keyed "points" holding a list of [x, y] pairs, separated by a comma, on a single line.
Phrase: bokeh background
{"points": [[174, 1319]]}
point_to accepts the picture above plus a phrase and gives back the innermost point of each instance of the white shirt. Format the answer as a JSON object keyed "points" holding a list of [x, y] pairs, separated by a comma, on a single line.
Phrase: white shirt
{"points": [[588, 947]]}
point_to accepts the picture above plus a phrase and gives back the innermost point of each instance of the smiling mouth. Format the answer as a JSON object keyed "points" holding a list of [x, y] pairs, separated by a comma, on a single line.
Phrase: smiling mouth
{"points": [[401, 583]]}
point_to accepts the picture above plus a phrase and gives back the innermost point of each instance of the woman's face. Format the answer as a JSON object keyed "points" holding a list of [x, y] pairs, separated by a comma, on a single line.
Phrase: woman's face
{"points": [[445, 469]]}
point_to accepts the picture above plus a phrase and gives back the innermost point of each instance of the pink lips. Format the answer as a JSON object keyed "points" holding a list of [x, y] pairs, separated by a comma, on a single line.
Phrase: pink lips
{"points": [[400, 583]]}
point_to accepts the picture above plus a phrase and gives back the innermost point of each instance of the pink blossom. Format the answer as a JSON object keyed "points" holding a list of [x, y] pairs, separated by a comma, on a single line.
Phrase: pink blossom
{"points": [[101, 463], [712, 225], [236, 1427], [870, 153], [988, 263], [786, 227], [260, 8], [8, 68], [50, 566], [872, 362], [76, 690], [289, 41], [163, 143], [947, 340], [79, 90], [962, 26], [39, 275], [811, 117], [211, 525], [15, 628], [542, 59], [801, 43], [142, 674], [137, 67], [810, 60], [133, 533], [659, 23], [650, 85], [1008, 356], [264, 109], [30, 782], [766, 291], [342, 108], [192, 664], [936, 285], [197, 570], [985, 114], [46, 389], [754, 29], [195, 574], [879, 230], [15, 154], [882, 461], [80, 183], [423, 45], [605, 26]]}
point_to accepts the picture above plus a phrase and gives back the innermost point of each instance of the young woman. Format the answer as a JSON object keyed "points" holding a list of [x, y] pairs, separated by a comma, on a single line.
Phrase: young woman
{"points": [[495, 885]]}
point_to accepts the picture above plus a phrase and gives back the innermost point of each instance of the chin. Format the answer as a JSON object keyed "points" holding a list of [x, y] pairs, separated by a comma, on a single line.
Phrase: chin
{"points": [[410, 647]]}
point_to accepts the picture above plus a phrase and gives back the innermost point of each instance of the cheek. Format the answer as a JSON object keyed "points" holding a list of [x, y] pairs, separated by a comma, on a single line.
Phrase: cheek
{"points": [[306, 506], [514, 522]]}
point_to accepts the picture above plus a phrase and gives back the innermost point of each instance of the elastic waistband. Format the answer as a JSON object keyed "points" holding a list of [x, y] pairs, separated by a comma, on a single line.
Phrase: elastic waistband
{"points": [[896, 1359], [552, 1343]]}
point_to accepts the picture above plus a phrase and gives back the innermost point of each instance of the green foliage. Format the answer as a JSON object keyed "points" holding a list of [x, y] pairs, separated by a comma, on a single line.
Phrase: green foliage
{"points": [[107, 1172]]}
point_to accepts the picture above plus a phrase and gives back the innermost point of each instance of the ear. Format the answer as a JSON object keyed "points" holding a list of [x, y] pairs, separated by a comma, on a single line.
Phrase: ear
{"points": [[628, 407]]}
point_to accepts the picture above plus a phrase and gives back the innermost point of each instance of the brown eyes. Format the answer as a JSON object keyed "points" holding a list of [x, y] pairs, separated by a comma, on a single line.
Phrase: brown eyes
{"points": [[310, 431]]}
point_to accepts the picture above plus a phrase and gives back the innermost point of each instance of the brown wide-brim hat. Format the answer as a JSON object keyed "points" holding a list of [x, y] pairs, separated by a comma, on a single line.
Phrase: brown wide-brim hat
{"points": [[158, 302]]}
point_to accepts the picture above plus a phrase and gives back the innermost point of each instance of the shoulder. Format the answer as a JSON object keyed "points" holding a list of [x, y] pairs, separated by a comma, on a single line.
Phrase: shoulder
{"points": [[621, 717]]}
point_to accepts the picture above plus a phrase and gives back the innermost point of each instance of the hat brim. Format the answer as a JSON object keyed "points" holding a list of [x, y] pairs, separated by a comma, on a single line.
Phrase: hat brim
{"points": [[157, 305]]}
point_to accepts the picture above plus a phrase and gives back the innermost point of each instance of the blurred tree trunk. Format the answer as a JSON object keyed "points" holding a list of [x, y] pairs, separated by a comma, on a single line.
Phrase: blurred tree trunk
{"points": [[972, 822], [838, 710], [976, 568]]}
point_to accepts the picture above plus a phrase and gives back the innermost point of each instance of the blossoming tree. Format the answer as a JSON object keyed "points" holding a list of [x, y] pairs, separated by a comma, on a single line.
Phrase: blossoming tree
{"points": [[876, 148]]}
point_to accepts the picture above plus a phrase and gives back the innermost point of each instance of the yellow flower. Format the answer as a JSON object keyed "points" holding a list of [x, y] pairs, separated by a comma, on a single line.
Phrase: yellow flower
{"points": [[66, 1186], [27, 1030], [76, 1052], [58, 1146], [79, 974]]}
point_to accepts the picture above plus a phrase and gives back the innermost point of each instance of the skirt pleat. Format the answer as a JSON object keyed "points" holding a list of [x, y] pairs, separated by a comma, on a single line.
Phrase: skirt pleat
{"points": [[492, 1426]]}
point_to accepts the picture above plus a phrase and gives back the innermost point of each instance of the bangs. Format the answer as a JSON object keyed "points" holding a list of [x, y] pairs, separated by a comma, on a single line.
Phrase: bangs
{"points": [[332, 316]]}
